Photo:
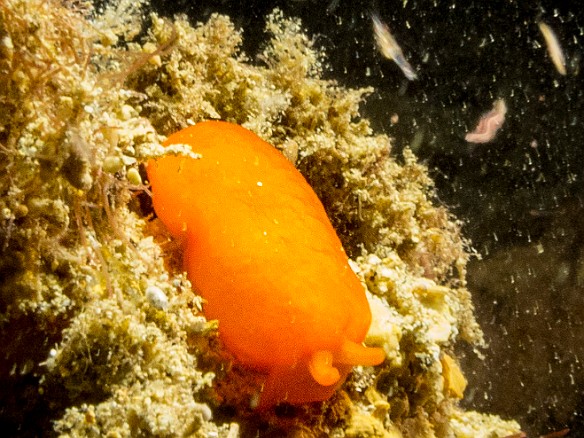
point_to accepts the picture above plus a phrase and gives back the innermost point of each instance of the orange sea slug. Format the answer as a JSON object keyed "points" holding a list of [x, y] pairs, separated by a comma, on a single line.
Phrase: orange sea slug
{"points": [[260, 249]]}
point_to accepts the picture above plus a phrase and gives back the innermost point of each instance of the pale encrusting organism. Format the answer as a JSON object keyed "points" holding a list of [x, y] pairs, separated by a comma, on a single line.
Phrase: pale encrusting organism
{"points": [[389, 47], [554, 48], [102, 332]]}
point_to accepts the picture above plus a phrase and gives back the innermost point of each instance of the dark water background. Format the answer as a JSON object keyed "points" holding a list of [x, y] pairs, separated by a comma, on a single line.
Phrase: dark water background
{"points": [[520, 196]]}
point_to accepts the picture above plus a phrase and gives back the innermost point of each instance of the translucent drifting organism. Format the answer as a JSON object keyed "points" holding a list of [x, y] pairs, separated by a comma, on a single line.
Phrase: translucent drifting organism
{"points": [[554, 48], [389, 48], [489, 124]]}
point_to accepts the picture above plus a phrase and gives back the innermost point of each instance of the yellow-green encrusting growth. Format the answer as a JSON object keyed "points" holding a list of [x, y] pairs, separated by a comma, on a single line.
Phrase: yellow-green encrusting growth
{"points": [[101, 331]]}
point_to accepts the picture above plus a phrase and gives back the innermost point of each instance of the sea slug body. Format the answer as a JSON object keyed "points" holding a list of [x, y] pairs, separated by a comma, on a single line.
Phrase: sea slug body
{"points": [[261, 251]]}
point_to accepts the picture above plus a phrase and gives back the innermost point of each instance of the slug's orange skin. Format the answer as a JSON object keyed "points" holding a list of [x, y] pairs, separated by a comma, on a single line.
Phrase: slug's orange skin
{"points": [[261, 251]]}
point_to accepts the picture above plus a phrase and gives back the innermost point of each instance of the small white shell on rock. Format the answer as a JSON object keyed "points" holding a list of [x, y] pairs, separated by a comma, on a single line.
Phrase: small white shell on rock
{"points": [[157, 297]]}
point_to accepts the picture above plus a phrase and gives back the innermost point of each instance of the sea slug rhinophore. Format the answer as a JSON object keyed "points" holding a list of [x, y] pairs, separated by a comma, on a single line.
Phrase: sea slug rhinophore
{"points": [[260, 249]]}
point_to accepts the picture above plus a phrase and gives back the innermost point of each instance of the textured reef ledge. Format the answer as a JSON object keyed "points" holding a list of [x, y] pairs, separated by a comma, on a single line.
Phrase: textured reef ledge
{"points": [[102, 334]]}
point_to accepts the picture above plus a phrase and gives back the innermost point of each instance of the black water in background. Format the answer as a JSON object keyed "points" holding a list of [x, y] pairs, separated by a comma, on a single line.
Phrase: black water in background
{"points": [[521, 196]]}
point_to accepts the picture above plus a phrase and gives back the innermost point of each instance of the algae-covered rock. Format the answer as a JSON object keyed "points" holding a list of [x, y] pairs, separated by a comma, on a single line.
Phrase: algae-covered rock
{"points": [[102, 332]]}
